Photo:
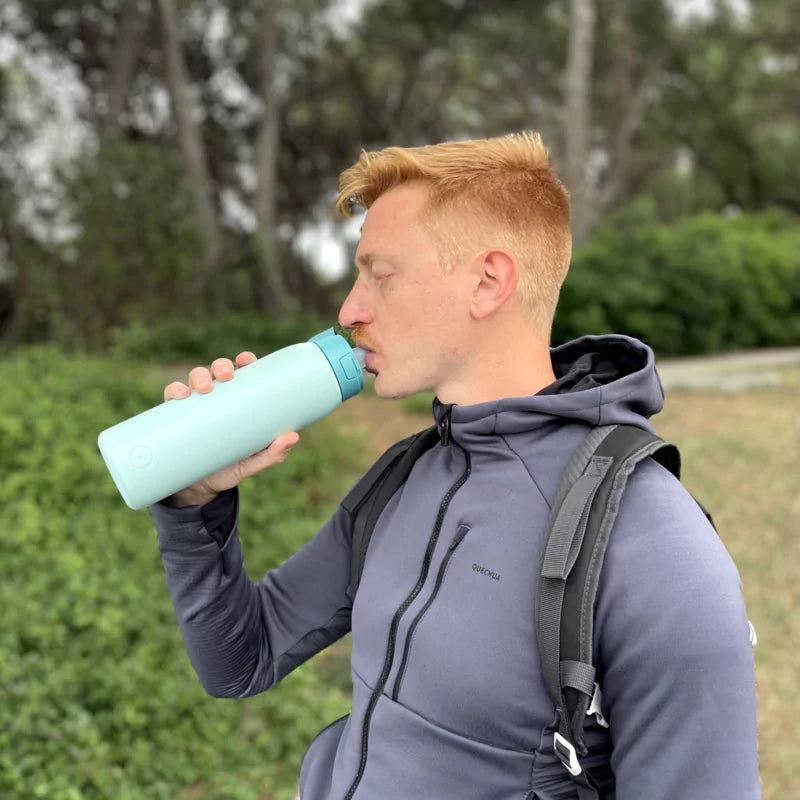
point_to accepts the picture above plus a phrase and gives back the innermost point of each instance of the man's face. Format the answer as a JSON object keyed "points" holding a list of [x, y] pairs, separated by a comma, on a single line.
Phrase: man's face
{"points": [[411, 314]]}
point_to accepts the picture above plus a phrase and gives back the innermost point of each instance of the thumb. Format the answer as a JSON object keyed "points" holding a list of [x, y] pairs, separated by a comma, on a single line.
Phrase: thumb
{"points": [[283, 444]]}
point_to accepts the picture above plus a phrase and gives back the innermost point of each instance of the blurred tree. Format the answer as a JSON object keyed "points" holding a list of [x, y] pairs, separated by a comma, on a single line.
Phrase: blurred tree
{"points": [[577, 104], [729, 102], [134, 257], [699, 112], [133, 21], [193, 152], [270, 290]]}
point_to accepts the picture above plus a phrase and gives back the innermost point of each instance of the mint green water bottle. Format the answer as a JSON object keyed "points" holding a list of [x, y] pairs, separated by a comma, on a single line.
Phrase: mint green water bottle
{"points": [[173, 445]]}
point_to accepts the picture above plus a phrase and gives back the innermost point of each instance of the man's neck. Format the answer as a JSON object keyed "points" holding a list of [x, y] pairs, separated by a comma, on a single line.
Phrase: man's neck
{"points": [[512, 365]]}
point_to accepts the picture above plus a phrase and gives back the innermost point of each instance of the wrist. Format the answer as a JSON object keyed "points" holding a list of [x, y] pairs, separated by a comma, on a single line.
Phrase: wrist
{"points": [[190, 496]]}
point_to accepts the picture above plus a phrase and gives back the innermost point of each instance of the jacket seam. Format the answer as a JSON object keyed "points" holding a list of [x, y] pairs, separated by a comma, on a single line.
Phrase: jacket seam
{"points": [[322, 627], [525, 467]]}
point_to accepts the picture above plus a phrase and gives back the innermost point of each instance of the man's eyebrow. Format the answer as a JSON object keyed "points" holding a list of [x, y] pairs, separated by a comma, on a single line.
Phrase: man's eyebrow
{"points": [[365, 259]]}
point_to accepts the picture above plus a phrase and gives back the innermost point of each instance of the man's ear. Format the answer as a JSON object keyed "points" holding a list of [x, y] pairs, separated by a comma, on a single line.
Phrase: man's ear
{"points": [[496, 274]]}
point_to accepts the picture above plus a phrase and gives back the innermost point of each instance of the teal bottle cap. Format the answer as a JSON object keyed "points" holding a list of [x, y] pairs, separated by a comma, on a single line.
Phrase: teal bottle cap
{"points": [[343, 361]]}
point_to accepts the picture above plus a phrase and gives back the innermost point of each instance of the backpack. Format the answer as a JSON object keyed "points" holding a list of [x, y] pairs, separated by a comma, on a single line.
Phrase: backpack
{"points": [[578, 531]]}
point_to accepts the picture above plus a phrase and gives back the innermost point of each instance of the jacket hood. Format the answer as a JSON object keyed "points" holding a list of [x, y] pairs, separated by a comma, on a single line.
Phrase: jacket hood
{"points": [[600, 380]]}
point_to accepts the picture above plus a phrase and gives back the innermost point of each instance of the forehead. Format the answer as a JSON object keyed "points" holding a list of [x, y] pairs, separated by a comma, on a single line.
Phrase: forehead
{"points": [[399, 209]]}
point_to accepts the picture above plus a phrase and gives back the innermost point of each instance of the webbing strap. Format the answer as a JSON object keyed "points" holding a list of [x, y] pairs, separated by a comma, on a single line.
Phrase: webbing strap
{"points": [[583, 514], [586, 790], [578, 675], [367, 499]]}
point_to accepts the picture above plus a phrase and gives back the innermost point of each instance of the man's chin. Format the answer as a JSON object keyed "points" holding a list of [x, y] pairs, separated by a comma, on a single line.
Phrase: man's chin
{"points": [[386, 391]]}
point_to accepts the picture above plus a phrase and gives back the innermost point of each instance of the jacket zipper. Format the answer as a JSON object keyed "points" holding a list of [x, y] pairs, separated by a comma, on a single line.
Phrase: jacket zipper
{"points": [[460, 534], [387, 664]]}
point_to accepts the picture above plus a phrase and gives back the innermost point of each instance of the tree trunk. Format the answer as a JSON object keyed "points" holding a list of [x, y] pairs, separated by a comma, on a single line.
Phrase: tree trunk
{"points": [[629, 107], [578, 107], [192, 151], [270, 289], [123, 65]]}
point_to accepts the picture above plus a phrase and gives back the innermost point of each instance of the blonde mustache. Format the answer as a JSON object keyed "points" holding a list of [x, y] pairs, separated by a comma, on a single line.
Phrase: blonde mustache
{"points": [[361, 339]]}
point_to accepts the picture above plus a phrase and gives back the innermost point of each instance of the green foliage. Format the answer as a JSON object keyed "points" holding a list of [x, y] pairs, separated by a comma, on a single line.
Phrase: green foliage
{"points": [[181, 339], [704, 284], [97, 696], [138, 247]]}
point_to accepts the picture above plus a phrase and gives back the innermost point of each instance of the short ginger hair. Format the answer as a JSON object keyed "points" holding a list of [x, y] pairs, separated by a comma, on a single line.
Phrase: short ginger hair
{"points": [[498, 192]]}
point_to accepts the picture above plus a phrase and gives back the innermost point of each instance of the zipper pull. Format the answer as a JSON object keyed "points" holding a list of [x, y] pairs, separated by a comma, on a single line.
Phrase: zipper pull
{"points": [[460, 534], [444, 428]]}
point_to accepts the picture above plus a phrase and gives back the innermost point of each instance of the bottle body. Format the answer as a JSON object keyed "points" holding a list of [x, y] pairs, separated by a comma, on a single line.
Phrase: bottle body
{"points": [[173, 445]]}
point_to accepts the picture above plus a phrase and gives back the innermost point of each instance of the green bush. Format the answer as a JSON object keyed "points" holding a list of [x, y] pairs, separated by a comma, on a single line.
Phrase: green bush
{"points": [[97, 696], [704, 284], [224, 335], [138, 249]]}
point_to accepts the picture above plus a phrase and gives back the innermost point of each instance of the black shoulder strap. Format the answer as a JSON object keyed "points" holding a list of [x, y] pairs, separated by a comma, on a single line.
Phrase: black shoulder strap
{"points": [[581, 520], [367, 499]]}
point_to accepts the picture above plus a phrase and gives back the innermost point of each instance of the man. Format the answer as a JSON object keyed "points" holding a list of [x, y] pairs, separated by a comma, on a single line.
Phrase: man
{"points": [[462, 254]]}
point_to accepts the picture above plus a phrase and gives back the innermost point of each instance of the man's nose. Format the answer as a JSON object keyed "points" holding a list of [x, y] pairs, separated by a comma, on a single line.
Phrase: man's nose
{"points": [[355, 310]]}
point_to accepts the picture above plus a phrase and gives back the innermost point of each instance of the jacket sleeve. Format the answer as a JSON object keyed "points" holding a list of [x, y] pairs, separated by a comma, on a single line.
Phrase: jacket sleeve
{"points": [[242, 637], [672, 639]]}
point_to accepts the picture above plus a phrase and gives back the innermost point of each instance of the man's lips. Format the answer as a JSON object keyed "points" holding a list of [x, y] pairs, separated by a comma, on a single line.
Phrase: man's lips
{"points": [[369, 359], [364, 345]]}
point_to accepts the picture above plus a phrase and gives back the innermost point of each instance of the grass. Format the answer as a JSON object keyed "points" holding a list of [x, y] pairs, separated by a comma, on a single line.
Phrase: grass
{"points": [[97, 696]]}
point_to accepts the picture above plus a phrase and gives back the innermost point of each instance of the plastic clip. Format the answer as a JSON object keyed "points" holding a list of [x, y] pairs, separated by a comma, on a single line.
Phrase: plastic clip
{"points": [[566, 754], [596, 707]]}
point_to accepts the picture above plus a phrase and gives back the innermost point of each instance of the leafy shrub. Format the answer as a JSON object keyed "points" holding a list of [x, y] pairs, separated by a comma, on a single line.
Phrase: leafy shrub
{"points": [[223, 335], [97, 696], [704, 284], [138, 248]]}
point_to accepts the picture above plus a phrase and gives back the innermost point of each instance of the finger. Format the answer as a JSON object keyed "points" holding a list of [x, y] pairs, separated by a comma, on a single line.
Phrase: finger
{"points": [[200, 380], [274, 454], [176, 390], [222, 369], [243, 359]]}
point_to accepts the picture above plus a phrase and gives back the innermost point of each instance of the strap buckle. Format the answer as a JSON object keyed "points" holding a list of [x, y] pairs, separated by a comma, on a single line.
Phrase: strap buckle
{"points": [[566, 754], [596, 707], [753, 634]]}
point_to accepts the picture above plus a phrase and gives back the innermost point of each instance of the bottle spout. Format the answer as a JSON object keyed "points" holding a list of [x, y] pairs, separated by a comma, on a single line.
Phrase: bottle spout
{"points": [[361, 356]]}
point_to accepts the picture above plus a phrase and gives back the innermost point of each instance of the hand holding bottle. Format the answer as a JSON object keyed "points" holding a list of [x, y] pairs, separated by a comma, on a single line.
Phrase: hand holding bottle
{"points": [[211, 434], [201, 380]]}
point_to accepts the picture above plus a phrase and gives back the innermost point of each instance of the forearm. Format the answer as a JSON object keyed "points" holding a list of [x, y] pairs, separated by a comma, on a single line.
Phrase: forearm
{"points": [[242, 637]]}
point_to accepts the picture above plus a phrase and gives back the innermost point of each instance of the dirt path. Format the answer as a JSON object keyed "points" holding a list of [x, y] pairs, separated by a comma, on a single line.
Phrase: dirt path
{"points": [[385, 421], [731, 372]]}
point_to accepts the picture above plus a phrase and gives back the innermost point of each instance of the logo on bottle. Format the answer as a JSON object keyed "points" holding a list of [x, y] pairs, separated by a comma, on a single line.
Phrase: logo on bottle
{"points": [[141, 456]]}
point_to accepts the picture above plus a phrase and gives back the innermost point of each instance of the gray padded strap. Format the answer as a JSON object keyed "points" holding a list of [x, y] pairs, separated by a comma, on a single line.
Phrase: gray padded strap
{"points": [[562, 548], [598, 554], [580, 458], [584, 512], [564, 541]]}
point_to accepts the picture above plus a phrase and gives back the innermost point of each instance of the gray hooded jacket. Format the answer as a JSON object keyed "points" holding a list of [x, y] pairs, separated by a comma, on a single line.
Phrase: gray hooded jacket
{"points": [[449, 701]]}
